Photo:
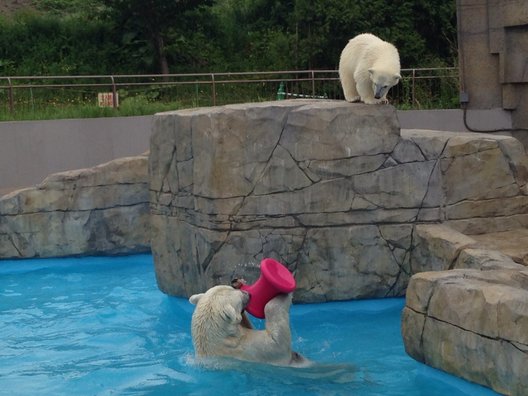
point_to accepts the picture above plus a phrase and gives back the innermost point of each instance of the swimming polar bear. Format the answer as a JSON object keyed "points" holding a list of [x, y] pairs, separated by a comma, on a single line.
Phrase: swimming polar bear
{"points": [[368, 68], [219, 328]]}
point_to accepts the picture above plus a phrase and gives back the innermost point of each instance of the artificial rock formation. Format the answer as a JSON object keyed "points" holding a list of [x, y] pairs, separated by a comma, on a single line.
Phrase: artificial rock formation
{"points": [[330, 189], [100, 210], [470, 316], [335, 191], [471, 323], [437, 247]]}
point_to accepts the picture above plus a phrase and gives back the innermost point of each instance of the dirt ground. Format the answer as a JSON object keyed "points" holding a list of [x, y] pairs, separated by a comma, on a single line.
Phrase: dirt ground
{"points": [[9, 6]]}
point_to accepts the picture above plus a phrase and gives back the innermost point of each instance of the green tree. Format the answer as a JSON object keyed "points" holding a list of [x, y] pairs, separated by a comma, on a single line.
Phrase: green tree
{"points": [[150, 21], [153, 36], [257, 34], [35, 44]]}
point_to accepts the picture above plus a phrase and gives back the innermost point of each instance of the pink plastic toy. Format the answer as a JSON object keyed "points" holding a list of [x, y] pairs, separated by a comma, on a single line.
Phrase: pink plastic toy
{"points": [[274, 279]]}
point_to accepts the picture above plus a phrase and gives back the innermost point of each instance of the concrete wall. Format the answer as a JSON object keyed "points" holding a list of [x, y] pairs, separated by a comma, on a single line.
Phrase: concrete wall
{"points": [[31, 150], [493, 55], [453, 119]]}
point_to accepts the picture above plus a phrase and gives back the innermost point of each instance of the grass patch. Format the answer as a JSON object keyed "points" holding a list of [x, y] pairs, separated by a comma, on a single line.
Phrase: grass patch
{"points": [[126, 109], [36, 103]]}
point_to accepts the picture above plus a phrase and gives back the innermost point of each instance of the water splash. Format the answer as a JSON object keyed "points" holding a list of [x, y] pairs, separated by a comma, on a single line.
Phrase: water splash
{"points": [[249, 271]]}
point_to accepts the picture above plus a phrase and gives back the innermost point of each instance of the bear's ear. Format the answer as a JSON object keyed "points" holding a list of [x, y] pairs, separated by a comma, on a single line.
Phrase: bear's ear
{"points": [[397, 77], [230, 315], [195, 298]]}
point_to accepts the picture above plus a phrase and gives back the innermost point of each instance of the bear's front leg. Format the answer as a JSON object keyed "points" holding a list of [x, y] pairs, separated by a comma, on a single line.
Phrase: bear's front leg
{"points": [[277, 312], [376, 101], [349, 87], [367, 94]]}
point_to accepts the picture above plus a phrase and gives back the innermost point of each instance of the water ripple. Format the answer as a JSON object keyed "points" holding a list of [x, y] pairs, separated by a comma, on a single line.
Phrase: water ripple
{"points": [[100, 326]]}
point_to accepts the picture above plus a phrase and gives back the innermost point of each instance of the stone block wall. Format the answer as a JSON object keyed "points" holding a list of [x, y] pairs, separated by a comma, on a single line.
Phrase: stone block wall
{"points": [[330, 189], [493, 54]]}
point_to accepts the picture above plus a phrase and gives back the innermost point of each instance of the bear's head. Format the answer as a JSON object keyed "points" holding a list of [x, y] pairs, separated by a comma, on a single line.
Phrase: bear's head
{"points": [[382, 81], [218, 313]]}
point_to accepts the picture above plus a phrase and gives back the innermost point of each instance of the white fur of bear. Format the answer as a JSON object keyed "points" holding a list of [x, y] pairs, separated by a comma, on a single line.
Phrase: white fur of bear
{"points": [[219, 328], [368, 68]]}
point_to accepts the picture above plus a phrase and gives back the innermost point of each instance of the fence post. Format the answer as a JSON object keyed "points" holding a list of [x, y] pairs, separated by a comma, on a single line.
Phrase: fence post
{"points": [[313, 84], [413, 93], [11, 96], [213, 88], [114, 93]]}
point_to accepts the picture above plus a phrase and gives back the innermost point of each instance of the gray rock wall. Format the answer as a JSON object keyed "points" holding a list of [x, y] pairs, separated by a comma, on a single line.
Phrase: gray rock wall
{"points": [[100, 210], [470, 316], [471, 323], [330, 189]]}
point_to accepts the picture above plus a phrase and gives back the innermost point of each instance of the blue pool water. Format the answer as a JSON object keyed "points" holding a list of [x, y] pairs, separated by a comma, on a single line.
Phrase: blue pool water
{"points": [[100, 326]]}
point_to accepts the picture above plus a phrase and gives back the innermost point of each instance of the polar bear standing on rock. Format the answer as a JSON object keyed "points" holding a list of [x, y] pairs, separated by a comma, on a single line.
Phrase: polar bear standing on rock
{"points": [[219, 328], [368, 68]]}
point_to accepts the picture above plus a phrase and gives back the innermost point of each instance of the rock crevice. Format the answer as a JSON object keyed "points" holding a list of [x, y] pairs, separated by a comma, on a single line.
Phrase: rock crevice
{"points": [[320, 168]]}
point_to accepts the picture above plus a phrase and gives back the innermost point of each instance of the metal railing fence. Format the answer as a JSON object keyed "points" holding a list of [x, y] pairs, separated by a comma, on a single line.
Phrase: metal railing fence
{"points": [[419, 88]]}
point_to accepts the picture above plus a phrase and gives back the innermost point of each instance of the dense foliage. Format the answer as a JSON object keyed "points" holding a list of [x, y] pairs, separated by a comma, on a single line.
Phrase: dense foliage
{"points": [[153, 36]]}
